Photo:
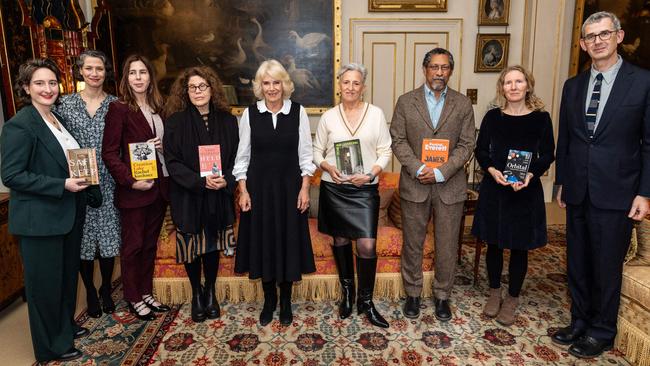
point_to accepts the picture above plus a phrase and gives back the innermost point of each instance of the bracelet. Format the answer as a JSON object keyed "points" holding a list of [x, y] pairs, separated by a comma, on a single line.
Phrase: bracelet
{"points": [[371, 176]]}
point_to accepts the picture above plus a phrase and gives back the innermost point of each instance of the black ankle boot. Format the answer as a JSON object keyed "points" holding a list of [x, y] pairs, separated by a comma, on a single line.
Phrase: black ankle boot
{"points": [[108, 306], [344, 264], [366, 270], [198, 310], [212, 310], [106, 266], [286, 315], [270, 302], [86, 270]]}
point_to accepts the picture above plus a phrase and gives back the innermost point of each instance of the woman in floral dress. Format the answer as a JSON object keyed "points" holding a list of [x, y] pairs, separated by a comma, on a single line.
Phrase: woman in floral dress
{"points": [[85, 112]]}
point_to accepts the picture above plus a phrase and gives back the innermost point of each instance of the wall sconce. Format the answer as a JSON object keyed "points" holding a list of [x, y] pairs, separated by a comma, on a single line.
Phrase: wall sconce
{"points": [[81, 85]]}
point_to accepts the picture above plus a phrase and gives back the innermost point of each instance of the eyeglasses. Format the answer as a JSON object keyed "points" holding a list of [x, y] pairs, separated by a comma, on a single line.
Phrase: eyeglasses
{"points": [[604, 36], [201, 87], [439, 67]]}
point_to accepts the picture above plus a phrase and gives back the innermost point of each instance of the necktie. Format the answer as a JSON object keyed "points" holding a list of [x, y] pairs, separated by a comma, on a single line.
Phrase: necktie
{"points": [[592, 110]]}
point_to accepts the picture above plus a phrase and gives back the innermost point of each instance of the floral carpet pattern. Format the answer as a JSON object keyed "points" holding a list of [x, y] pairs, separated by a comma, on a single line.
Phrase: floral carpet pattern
{"points": [[318, 337]]}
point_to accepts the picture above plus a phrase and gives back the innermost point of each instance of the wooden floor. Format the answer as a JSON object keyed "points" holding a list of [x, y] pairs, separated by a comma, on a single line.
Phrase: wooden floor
{"points": [[14, 326]]}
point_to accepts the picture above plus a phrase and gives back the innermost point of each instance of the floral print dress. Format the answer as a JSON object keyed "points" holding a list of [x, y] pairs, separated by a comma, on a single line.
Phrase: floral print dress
{"points": [[101, 233]]}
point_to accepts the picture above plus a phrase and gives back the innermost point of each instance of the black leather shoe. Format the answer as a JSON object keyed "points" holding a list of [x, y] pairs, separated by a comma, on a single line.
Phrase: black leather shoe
{"points": [[286, 314], [212, 310], [72, 354], [80, 332], [270, 302], [139, 311], [589, 347], [345, 307], [567, 335], [108, 306], [411, 307], [155, 305], [198, 310], [443, 312]]}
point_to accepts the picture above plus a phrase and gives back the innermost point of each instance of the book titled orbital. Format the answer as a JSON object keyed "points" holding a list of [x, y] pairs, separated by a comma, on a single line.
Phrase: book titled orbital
{"points": [[517, 166]]}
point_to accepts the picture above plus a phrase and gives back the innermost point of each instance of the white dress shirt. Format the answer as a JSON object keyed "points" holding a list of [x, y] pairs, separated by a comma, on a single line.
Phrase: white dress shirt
{"points": [[305, 153], [64, 137]]}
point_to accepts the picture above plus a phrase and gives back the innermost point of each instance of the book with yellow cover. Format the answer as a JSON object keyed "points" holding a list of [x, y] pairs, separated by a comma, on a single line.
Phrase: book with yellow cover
{"points": [[210, 160], [435, 152], [143, 160], [82, 163]]}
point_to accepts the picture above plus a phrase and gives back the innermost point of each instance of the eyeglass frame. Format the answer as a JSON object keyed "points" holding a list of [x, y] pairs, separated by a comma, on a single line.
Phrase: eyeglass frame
{"points": [[591, 38], [436, 67], [201, 87]]}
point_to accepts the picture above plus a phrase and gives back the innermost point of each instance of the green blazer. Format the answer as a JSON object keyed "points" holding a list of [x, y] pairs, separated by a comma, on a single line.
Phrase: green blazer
{"points": [[35, 168]]}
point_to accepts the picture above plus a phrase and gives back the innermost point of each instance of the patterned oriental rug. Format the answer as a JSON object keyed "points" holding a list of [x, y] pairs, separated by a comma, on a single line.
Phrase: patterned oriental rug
{"points": [[318, 337]]}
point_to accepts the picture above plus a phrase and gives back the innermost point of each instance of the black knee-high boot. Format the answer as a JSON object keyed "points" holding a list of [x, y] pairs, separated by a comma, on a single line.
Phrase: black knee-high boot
{"points": [[210, 269], [270, 302], [345, 266], [194, 274], [366, 270], [286, 315], [106, 266], [87, 269]]}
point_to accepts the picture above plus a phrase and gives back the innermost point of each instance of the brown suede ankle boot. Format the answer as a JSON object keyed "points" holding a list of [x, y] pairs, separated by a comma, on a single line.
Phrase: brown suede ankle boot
{"points": [[493, 303], [508, 308]]}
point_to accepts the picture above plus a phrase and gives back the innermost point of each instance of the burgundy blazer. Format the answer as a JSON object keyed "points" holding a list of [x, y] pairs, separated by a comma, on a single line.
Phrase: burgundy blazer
{"points": [[125, 126]]}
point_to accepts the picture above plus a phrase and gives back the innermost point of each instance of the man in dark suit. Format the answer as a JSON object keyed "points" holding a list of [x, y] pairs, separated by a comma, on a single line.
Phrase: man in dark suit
{"points": [[603, 173], [432, 111]]}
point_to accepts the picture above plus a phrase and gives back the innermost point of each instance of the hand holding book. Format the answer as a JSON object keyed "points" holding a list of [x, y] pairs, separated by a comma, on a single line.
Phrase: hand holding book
{"points": [[215, 182], [517, 186]]}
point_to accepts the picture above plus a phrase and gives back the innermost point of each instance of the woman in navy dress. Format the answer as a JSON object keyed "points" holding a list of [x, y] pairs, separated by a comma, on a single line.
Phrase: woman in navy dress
{"points": [[273, 165]]}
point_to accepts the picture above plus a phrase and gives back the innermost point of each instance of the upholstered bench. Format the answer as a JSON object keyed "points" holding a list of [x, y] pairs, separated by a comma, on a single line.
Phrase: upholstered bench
{"points": [[172, 286]]}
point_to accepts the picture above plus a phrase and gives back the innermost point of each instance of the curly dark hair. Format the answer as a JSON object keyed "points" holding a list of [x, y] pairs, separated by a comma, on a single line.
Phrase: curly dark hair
{"points": [[179, 98], [154, 98], [25, 73]]}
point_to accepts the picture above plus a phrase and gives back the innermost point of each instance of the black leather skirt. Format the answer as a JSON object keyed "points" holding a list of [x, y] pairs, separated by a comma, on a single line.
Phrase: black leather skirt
{"points": [[347, 211]]}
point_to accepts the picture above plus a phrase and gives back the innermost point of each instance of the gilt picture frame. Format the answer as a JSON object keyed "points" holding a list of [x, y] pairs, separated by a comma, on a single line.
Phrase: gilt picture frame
{"points": [[493, 12], [407, 5], [234, 37], [491, 52]]}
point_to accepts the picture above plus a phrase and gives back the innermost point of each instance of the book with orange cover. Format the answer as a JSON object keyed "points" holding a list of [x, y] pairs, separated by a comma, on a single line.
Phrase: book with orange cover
{"points": [[435, 152], [82, 163], [210, 160]]}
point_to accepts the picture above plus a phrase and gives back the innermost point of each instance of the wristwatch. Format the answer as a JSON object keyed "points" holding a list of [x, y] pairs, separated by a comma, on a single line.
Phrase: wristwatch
{"points": [[371, 176]]}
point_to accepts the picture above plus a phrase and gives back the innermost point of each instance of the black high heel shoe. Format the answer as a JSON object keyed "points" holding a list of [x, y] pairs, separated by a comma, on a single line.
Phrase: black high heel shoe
{"points": [[154, 305], [93, 309], [108, 306], [139, 309]]}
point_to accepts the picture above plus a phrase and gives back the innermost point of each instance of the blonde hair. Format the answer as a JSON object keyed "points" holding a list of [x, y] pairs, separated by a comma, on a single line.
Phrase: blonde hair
{"points": [[275, 70], [532, 101]]}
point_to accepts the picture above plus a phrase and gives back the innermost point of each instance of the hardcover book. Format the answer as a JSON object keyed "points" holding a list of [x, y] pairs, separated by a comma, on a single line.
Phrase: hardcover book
{"points": [[517, 166], [143, 160], [82, 163], [435, 152], [210, 160], [348, 157]]}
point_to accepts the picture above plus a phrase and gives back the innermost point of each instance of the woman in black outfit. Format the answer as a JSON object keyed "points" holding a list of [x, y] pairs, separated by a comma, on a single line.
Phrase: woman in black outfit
{"points": [[202, 207], [512, 215]]}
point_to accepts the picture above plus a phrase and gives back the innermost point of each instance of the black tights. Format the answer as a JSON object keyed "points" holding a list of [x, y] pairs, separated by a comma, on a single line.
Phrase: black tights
{"points": [[210, 267], [365, 246], [517, 268]]}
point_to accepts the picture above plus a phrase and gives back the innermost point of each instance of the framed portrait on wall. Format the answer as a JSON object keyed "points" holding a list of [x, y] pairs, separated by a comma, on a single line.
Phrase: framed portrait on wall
{"points": [[491, 52], [493, 12], [635, 21], [407, 5], [234, 37]]}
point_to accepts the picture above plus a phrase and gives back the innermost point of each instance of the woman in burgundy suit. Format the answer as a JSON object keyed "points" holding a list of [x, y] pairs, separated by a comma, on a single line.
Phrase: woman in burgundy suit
{"points": [[142, 203]]}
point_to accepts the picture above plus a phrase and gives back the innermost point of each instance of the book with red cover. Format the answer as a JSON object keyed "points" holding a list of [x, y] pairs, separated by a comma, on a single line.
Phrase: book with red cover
{"points": [[210, 160], [435, 152]]}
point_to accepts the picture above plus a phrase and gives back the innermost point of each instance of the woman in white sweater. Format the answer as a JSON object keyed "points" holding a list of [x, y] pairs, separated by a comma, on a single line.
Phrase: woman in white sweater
{"points": [[352, 146]]}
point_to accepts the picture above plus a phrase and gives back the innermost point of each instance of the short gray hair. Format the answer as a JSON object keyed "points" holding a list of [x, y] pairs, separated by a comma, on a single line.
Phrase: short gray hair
{"points": [[597, 17], [438, 51], [353, 66], [97, 54]]}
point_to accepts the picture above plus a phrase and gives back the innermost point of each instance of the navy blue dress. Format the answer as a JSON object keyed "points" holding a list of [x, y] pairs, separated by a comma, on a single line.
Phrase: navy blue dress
{"points": [[509, 219]]}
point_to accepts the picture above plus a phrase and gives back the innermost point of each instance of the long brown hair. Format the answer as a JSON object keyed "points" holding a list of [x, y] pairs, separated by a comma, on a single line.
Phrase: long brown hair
{"points": [[154, 98], [532, 101], [179, 98]]}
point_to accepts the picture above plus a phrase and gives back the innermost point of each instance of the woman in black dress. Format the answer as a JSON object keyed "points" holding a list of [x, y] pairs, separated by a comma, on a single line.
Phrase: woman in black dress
{"points": [[202, 205], [273, 165], [512, 215]]}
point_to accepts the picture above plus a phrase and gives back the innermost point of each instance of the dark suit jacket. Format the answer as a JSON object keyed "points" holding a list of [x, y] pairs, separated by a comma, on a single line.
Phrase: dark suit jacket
{"points": [[35, 168], [125, 126], [411, 124], [613, 166]]}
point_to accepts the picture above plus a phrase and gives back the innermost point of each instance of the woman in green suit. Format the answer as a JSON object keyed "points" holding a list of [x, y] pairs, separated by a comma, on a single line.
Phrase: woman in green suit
{"points": [[46, 210]]}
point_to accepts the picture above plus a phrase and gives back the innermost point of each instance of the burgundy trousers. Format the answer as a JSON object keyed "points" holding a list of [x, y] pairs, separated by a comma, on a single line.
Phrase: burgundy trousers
{"points": [[140, 230]]}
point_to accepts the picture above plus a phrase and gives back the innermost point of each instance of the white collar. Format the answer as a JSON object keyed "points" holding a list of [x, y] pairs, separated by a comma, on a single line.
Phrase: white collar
{"points": [[286, 107]]}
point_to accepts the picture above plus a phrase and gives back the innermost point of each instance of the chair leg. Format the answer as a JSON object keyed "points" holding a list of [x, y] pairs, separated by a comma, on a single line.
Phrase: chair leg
{"points": [[478, 246]]}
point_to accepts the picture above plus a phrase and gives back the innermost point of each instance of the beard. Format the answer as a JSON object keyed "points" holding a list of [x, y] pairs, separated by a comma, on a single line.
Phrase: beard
{"points": [[438, 84]]}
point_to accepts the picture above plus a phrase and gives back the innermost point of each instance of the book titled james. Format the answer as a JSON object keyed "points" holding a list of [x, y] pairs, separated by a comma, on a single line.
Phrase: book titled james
{"points": [[517, 166], [82, 163], [143, 160], [348, 157], [210, 160], [435, 152]]}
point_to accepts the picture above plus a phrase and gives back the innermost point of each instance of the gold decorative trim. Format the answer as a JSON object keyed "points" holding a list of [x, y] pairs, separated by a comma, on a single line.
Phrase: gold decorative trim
{"points": [[407, 5]]}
